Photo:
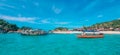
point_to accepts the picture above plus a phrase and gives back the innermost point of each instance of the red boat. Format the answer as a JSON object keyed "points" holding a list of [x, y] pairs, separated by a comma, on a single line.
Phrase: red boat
{"points": [[91, 36]]}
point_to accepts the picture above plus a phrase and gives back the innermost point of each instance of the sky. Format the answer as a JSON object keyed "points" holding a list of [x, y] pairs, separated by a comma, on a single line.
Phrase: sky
{"points": [[48, 14]]}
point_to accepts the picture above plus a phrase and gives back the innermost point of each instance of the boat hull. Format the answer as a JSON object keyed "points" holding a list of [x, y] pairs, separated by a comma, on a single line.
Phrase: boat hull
{"points": [[90, 36]]}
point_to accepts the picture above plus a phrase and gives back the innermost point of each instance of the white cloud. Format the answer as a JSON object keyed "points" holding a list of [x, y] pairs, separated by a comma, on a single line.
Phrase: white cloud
{"points": [[6, 5], [20, 19], [56, 10], [100, 16], [62, 23], [50, 21], [45, 21], [33, 20]]}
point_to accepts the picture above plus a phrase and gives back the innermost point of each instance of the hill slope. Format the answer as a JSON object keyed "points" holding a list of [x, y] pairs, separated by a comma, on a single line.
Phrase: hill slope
{"points": [[7, 26], [110, 24]]}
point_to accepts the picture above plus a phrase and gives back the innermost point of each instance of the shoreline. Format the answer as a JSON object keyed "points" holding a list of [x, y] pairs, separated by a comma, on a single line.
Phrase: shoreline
{"points": [[79, 32]]}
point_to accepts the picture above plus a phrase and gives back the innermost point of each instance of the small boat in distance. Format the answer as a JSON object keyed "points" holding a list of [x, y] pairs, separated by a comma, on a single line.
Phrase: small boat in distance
{"points": [[91, 35]]}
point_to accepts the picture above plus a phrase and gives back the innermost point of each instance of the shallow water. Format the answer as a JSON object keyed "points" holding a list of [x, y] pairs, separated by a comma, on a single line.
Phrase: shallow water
{"points": [[58, 44]]}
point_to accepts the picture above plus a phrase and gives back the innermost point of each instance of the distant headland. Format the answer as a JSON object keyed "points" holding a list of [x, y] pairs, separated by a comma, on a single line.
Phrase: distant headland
{"points": [[6, 27], [110, 27]]}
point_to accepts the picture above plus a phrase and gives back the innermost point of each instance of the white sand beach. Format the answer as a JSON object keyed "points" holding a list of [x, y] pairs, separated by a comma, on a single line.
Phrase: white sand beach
{"points": [[110, 32], [79, 32]]}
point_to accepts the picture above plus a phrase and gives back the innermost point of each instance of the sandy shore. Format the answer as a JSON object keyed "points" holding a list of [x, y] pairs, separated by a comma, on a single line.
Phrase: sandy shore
{"points": [[110, 32], [79, 32]]}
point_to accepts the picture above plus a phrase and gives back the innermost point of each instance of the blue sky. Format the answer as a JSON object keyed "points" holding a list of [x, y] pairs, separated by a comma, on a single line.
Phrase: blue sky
{"points": [[48, 14]]}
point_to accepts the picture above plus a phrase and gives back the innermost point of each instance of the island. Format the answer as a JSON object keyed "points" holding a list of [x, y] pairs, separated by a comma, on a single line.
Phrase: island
{"points": [[110, 27], [6, 27], [28, 31]]}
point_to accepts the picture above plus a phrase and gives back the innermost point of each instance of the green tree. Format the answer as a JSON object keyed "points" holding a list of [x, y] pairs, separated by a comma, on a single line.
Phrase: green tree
{"points": [[61, 29], [7, 26], [25, 28]]}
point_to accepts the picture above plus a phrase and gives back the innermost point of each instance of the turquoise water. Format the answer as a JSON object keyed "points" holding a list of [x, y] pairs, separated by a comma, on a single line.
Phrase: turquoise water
{"points": [[58, 44]]}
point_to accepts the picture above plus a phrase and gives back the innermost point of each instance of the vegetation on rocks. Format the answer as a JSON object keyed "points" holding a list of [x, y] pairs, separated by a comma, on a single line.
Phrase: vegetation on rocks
{"points": [[7, 26], [61, 29]]}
